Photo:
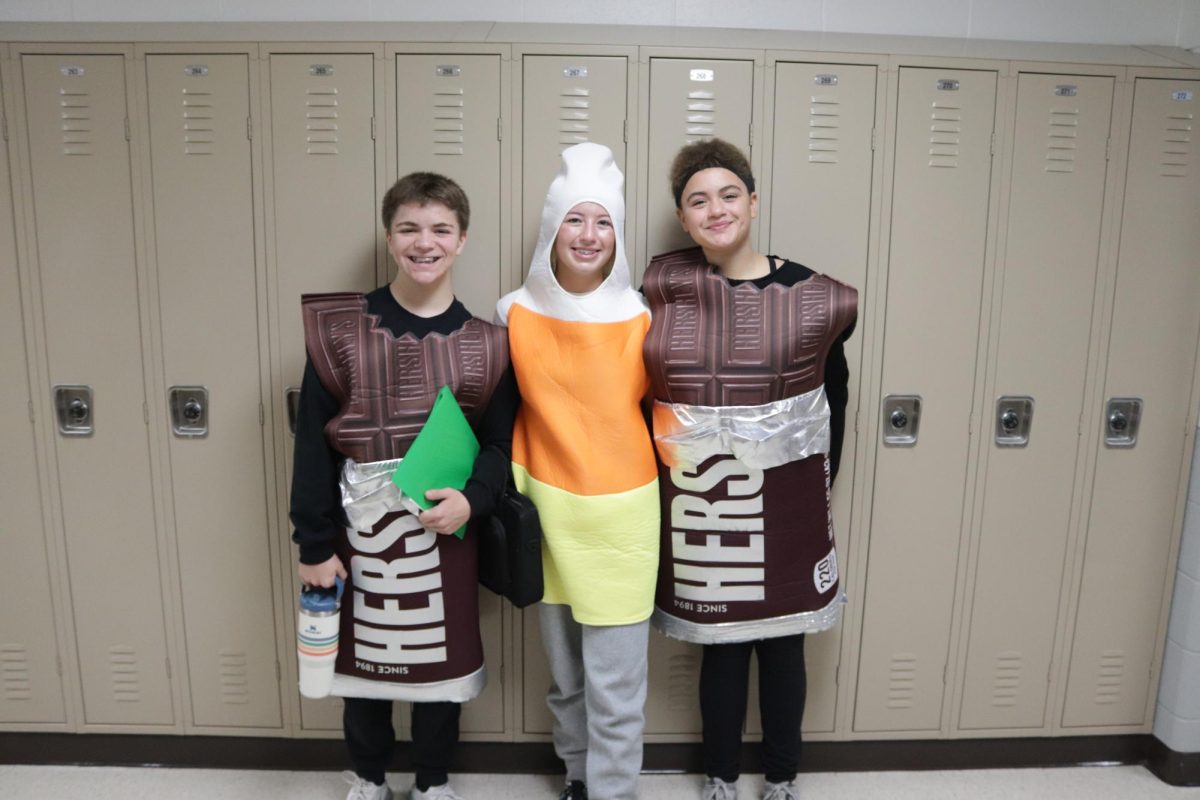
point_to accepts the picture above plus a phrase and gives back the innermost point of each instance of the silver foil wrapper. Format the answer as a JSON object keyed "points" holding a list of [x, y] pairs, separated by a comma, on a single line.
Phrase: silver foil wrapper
{"points": [[368, 493], [749, 630], [761, 437]]}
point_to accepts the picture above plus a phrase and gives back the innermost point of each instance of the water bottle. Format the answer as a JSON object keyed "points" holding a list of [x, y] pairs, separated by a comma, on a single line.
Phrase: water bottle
{"points": [[317, 638]]}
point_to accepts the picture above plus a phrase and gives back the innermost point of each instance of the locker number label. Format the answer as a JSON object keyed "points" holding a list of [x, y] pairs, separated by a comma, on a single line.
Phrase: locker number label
{"points": [[448, 70], [947, 85], [702, 75], [825, 80], [321, 70], [72, 71], [195, 70], [1066, 90], [575, 72], [1182, 96]]}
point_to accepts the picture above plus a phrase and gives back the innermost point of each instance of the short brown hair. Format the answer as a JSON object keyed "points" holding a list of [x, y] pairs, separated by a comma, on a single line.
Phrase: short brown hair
{"points": [[423, 188], [707, 154]]}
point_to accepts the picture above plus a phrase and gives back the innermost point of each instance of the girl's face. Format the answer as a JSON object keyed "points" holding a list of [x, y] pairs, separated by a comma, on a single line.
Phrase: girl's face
{"points": [[716, 210], [584, 247]]}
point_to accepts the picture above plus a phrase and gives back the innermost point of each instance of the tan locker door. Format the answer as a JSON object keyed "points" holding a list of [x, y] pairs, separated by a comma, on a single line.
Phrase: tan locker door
{"points": [[83, 208], [204, 235], [690, 99], [566, 100], [939, 226], [1152, 356], [326, 218], [448, 121], [1055, 210], [820, 209], [30, 685]]}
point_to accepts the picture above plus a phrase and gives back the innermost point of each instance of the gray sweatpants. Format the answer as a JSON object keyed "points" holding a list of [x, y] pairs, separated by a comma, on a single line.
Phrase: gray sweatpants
{"points": [[598, 698]]}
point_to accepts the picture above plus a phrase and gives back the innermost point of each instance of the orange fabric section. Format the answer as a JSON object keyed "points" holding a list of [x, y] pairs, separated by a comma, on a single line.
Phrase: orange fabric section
{"points": [[580, 427]]}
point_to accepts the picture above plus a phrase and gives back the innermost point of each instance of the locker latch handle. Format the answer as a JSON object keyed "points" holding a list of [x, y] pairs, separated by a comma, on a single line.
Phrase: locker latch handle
{"points": [[292, 400], [901, 420], [189, 411], [73, 407], [1014, 419], [1122, 418]]}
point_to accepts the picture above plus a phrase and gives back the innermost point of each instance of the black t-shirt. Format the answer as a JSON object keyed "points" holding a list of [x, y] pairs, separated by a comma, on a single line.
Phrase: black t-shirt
{"points": [[316, 505]]}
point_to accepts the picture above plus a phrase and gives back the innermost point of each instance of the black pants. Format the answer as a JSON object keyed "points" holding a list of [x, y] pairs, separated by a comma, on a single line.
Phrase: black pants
{"points": [[371, 738], [724, 678]]}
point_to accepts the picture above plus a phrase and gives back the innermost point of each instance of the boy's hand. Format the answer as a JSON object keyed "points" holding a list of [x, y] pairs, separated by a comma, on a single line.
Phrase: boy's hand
{"points": [[322, 574], [450, 514]]}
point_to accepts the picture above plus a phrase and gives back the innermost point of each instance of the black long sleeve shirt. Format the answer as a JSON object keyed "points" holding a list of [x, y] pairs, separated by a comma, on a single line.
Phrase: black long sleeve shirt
{"points": [[316, 504]]}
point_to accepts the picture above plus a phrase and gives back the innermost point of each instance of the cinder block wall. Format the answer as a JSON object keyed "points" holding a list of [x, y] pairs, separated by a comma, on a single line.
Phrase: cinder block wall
{"points": [[1177, 722]]}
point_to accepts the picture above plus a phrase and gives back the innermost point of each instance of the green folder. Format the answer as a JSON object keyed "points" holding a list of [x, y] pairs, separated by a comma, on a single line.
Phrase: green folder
{"points": [[442, 456]]}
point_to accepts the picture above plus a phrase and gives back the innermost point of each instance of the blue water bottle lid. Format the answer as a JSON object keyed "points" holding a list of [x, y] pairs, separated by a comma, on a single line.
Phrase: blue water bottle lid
{"points": [[321, 599]]}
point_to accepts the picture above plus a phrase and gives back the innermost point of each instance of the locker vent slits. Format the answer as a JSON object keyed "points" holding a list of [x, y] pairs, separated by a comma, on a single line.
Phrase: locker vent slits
{"points": [[1110, 676], [945, 135], [824, 120], [574, 116], [449, 121], [1177, 146], [76, 112], [321, 121], [199, 134], [1006, 683], [125, 675], [234, 680], [701, 115], [683, 682], [1062, 140], [902, 681], [14, 673]]}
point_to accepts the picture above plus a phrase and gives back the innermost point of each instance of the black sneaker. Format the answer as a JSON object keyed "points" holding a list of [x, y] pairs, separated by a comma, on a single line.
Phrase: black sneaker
{"points": [[574, 790]]}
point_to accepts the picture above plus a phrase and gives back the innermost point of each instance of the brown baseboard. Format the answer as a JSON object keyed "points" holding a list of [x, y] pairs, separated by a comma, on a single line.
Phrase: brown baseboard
{"points": [[229, 752]]}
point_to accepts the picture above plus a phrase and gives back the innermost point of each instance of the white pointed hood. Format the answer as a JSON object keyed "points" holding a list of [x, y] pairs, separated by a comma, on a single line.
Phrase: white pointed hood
{"points": [[588, 174]]}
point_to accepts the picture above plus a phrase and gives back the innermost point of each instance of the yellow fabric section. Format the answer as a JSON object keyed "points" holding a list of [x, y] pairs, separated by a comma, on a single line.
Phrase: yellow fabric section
{"points": [[580, 426], [600, 552]]}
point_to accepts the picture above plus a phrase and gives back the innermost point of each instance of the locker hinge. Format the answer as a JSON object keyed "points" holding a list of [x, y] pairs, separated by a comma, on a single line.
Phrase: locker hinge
{"points": [[992, 146], [145, 414], [1108, 149], [262, 415], [32, 418], [58, 665], [127, 136], [250, 128], [945, 671], [499, 129], [167, 661], [624, 132], [1079, 425], [278, 672], [750, 143], [4, 126], [874, 139], [372, 129]]}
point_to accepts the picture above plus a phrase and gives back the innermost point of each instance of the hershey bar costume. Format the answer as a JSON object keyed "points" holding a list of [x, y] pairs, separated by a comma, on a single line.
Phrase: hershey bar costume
{"points": [[409, 622], [741, 427]]}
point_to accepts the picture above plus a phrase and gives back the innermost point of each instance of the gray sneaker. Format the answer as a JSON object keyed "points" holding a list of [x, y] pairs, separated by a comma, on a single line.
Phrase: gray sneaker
{"points": [[717, 789], [780, 791], [443, 792], [362, 789]]}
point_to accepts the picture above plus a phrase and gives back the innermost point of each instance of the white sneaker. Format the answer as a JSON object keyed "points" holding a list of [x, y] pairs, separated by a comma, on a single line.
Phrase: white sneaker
{"points": [[443, 792], [781, 791], [717, 789], [362, 789]]}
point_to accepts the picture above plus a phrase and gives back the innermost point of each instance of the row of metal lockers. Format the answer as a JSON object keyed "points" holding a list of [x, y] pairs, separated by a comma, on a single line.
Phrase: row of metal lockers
{"points": [[1024, 238]]}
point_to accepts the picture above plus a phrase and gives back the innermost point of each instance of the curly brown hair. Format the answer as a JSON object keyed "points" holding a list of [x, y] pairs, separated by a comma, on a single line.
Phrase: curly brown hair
{"points": [[707, 154], [423, 188]]}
